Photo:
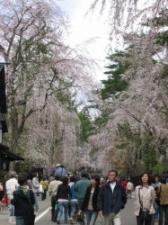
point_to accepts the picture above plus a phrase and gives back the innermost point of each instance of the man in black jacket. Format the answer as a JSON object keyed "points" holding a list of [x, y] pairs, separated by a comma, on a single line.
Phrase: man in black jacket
{"points": [[111, 199], [24, 201]]}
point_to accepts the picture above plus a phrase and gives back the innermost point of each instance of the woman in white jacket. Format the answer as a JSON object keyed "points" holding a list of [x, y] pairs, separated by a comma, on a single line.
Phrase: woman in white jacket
{"points": [[144, 201]]}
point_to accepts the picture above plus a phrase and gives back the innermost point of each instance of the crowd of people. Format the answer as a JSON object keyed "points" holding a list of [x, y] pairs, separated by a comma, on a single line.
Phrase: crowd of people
{"points": [[21, 194], [87, 199]]}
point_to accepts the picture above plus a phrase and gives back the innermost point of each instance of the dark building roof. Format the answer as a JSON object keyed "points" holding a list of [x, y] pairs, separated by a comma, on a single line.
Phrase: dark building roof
{"points": [[8, 155]]}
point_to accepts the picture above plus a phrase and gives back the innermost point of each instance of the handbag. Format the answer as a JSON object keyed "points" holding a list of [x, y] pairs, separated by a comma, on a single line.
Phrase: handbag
{"points": [[5, 200], [100, 220], [80, 216]]}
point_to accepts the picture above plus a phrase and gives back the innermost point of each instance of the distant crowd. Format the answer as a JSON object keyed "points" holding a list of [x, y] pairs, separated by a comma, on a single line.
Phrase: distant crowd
{"points": [[88, 199]]}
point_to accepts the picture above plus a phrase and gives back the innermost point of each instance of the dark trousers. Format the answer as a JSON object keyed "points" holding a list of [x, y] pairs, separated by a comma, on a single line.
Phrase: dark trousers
{"points": [[25, 220], [53, 203], [44, 195], [146, 221], [80, 202], [163, 218], [20, 220], [91, 217]]}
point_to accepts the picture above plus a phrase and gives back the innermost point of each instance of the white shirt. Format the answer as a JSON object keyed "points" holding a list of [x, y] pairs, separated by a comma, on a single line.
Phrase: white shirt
{"points": [[11, 186], [112, 186]]}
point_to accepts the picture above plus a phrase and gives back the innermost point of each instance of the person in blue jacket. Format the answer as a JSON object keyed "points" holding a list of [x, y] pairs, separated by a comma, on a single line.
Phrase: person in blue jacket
{"points": [[111, 199]]}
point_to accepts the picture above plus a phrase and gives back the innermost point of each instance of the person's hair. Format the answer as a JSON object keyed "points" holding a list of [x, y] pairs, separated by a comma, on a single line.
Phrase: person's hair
{"points": [[149, 178], [65, 180], [97, 179], [22, 179], [113, 171], [84, 175], [57, 177], [72, 179]]}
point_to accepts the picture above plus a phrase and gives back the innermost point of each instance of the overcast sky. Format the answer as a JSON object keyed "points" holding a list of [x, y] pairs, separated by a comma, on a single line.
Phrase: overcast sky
{"points": [[89, 33]]}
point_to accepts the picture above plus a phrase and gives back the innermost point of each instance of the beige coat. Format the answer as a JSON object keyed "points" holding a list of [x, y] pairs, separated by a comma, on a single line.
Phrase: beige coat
{"points": [[53, 187], [150, 199]]}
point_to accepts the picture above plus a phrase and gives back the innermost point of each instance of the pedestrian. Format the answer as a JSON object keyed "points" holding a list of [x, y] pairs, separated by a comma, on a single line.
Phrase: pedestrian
{"points": [[74, 200], [1, 195], [163, 193], [36, 190], [63, 197], [1, 191], [23, 200], [11, 185], [60, 171], [52, 190], [157, 184], [111, 199], [44, 184], [102, 182], [129, 188], [29, 184], [81, 187], [90, 206], [123, 182], [144, 201]]}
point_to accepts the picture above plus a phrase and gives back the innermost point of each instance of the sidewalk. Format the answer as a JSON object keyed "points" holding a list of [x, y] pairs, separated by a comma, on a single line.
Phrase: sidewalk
{"points": [[4, 213]]}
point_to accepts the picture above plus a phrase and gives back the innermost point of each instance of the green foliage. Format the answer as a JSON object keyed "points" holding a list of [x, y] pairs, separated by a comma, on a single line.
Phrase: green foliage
{"points": [[102, 120], [115, 71], [137, 147], [160, 168], [86, 126], [162, 38], [161, 21]]}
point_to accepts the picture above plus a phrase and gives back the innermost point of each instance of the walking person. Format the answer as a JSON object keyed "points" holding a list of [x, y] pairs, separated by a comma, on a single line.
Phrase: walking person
{"points": [[102, 182], [129, 188], [111, 199], [1, 191], [36, 190], [74, 200], [163, 193], [157, 184], [1, 195], [144, 201], [23, 200], [44, 184], [11, 185], [81, 187], [89, 205], [63, 197], [60, 171], [52, 190]]}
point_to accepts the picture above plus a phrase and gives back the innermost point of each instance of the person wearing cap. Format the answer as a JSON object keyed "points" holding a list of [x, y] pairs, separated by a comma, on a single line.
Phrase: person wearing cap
{"points": [[60, 170]]}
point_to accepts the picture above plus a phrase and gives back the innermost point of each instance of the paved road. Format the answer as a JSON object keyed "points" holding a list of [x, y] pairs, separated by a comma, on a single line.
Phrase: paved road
{"points": [[43, 217], [127, 215], [43, 206]]}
